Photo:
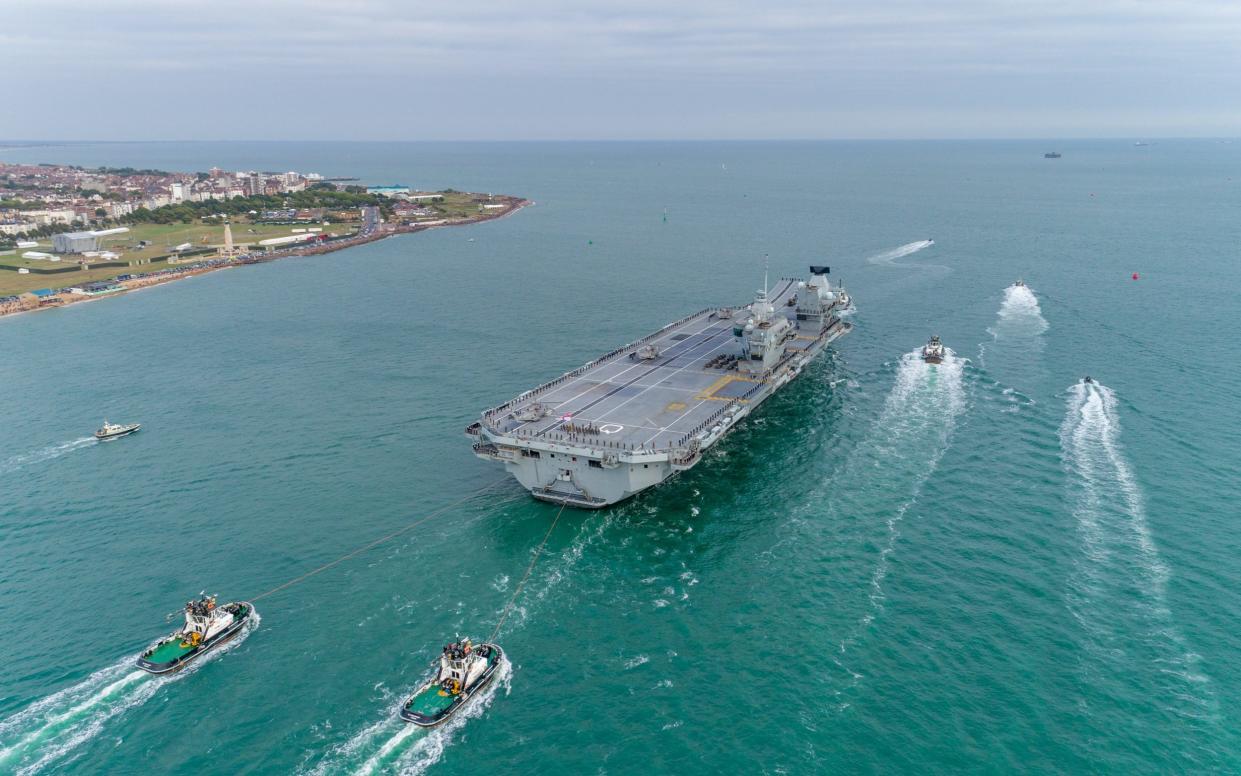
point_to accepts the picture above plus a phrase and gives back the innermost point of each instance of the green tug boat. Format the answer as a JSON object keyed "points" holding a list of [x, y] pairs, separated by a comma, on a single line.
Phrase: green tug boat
{"points": [[206, 627], [462, 671]]}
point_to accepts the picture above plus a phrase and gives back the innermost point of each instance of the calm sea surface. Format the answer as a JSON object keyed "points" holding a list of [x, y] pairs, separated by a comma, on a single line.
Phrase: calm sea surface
{"points": [[983, 567]]}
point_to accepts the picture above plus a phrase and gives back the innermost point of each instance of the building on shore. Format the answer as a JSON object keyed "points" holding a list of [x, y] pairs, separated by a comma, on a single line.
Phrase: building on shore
{"points": [[394, 191], [82, 242], [75, 242]]}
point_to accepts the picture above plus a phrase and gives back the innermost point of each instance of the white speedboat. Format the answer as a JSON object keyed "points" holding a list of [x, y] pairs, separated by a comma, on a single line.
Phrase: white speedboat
{"points": [[933, 351], [114, 430]]}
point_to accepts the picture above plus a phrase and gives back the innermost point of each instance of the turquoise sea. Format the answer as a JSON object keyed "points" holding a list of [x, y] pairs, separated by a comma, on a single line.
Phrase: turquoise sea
{"points": [[984, 567]]}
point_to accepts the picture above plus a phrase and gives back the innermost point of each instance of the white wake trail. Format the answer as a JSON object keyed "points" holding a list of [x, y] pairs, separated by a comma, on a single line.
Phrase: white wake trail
{"points": [[13, 463], [919, 415], [1016, 336], [889, 258], [36, 737], [1118, 592], [885, 474], [1020, 315]]}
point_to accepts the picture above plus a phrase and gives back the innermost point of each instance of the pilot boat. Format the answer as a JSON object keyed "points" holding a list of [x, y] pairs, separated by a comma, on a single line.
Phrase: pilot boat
{"points": [[206, 627], [114, 430], [463, 670], [933, 351]]}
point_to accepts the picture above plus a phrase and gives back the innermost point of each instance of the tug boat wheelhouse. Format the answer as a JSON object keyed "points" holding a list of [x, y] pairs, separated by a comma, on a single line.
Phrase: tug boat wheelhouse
{"points": [[114, 430], [207, 626], [933, 351], [463, 670]]}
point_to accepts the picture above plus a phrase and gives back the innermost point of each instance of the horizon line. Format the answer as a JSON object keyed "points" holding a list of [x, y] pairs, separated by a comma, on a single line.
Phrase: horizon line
{"points": [[1032, 138]]}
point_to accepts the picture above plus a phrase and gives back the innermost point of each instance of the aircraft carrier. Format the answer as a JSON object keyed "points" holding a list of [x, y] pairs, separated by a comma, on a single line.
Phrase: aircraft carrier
{"points": [[636, 416]]}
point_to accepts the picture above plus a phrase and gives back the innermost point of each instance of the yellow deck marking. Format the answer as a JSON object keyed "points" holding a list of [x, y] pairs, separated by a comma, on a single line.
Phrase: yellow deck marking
{"points": [[675, 406], [709, 392]]}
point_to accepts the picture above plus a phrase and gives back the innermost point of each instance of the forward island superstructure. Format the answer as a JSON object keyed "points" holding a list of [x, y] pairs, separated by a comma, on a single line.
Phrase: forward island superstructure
{"points": [[636, 416]]}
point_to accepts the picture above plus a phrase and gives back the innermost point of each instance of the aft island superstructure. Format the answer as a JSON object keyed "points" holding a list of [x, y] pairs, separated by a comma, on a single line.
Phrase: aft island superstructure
{"points": [[636, 416]]}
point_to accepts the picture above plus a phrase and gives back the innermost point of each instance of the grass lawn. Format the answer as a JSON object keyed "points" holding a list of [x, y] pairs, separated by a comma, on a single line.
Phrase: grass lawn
{"points": [[459, 205], [163, 237]]}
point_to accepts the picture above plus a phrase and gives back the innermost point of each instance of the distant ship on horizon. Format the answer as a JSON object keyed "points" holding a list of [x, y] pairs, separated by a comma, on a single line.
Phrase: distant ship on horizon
{"points": [[1052, 155]]}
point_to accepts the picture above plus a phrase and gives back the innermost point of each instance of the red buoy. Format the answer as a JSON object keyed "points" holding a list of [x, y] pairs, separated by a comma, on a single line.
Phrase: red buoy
{"points": [[1135, 276]]}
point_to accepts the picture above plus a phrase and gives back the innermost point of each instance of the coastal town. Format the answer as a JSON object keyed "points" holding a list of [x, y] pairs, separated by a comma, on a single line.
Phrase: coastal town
{"points": [[69, 234]]}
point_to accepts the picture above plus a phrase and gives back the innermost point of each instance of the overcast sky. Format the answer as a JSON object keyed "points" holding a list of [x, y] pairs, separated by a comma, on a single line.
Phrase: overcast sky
{"points": [[571, 69]]}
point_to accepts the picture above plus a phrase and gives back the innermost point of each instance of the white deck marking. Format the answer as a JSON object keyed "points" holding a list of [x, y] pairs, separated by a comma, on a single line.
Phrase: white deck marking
{"points": [[636, 366], [613, 377], [666, 377], [610, 380]]}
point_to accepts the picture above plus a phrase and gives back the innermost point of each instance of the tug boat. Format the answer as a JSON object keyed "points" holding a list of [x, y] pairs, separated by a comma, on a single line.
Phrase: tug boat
{"points": [[933, 351], [463, 670], [114, 430], [207, 626]]}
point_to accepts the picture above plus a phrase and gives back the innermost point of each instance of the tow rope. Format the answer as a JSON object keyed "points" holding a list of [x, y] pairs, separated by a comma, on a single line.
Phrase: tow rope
{"points": [[375, 543], [509, 606]]}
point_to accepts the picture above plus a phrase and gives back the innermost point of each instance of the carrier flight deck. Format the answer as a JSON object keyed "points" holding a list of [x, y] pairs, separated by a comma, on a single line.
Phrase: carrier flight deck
{"points": [[635, 416]]}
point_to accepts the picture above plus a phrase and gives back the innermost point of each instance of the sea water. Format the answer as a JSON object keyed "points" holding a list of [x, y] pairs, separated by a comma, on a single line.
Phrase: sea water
{"points": [[985, 565]]}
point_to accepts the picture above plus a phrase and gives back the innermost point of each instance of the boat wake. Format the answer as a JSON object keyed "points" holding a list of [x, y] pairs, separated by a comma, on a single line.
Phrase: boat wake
{"points": [[393, 746], [1119, 585], [48, 453], [889, 258], [885, 474], [1016, 333], [910, 438], [51, 728], [1020, 315]]}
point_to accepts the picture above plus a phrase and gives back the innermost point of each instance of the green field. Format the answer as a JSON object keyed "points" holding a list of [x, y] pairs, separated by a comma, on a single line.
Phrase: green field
{"points": [[457, 205], [162, 238]]}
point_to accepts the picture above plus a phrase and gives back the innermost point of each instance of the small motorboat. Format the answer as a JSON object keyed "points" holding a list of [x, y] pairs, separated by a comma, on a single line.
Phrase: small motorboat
{"points": [[933, 351], [115, 430], [1088, 379], [206, 627], [1019, 284], [463, 670]]}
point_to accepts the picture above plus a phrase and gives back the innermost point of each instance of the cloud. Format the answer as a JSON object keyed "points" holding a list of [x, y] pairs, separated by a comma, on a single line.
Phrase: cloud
{"points": [[634, 67]]}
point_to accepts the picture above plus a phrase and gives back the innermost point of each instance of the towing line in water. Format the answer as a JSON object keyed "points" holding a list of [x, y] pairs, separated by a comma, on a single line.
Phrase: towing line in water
{"points": [[376, 543], [465, 669]]}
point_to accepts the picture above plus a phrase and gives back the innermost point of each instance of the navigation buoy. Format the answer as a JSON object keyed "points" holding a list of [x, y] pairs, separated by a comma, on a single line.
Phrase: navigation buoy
{"points": [[1136, 276]]}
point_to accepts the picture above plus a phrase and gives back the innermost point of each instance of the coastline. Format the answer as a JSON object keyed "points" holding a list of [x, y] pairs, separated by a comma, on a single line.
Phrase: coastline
{"points": [[381, 231]]}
